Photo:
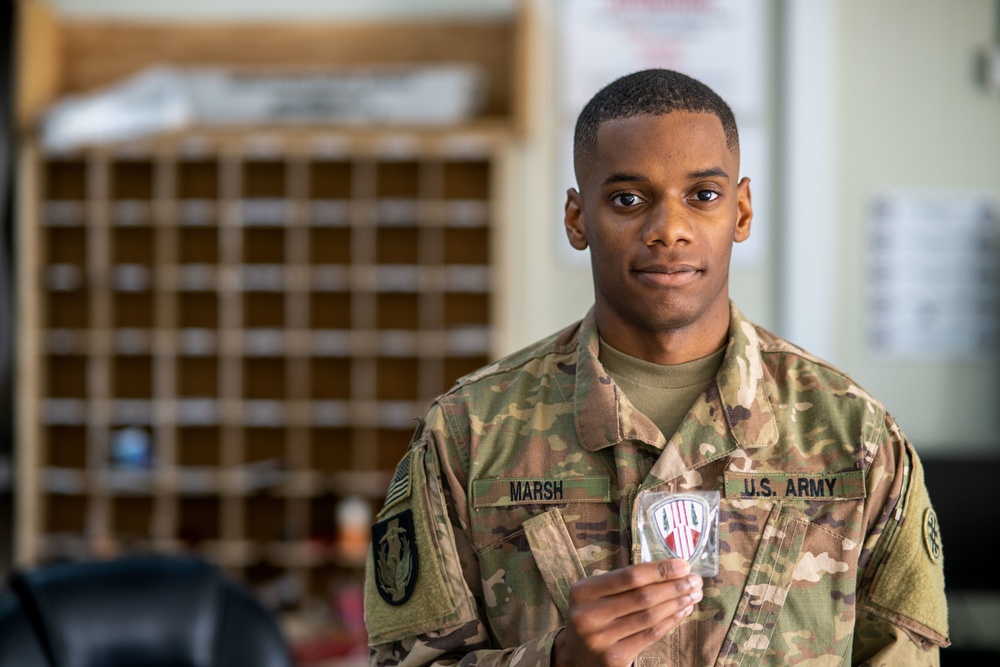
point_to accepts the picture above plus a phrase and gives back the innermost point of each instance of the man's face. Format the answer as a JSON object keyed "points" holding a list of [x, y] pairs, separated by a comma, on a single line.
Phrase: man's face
{"points": [[660, 207]]}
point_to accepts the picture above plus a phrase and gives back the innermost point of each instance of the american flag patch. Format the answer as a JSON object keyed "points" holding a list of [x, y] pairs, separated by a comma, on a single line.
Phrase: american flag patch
{"points": [[399, 487]]}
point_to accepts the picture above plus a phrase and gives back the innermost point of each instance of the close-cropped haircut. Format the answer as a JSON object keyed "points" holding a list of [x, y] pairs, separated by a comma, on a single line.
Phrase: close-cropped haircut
{"points": [[655, 92]]}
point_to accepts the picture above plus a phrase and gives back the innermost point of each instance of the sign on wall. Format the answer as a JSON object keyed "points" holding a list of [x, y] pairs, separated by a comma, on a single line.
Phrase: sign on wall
{"points": [[933, 275]]}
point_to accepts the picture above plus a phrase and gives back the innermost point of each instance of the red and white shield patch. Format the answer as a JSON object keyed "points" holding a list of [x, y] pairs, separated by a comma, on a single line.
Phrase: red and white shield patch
{"points": [[681, 523]]}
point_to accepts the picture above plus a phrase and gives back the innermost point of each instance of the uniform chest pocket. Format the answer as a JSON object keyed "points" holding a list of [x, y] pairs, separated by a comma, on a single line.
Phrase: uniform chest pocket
{"points": [[794, 596], [526, 578]]}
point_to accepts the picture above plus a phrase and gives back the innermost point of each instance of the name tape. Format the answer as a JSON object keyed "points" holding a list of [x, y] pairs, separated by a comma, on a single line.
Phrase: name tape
{"points": [[778, 485], [504, 492]]}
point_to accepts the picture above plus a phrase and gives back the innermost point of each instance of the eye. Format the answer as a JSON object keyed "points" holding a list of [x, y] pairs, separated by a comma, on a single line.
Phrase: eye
{"points": [[627, 199], [706, 195]]}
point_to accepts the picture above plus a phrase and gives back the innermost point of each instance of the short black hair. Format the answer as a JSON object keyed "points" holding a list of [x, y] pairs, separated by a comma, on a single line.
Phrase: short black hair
{"points": [[655, 92]]}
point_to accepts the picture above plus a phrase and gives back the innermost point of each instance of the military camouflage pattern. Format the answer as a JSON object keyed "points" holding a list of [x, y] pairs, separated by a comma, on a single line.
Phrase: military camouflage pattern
{"points": [[525, 478]]}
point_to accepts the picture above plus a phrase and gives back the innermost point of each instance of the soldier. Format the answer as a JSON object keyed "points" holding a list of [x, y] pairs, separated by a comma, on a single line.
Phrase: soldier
{"points": [[508, 534]]}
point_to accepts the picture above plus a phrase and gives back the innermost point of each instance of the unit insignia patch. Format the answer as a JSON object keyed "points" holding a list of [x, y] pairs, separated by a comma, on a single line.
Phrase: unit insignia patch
{"points": [[682, 524], [395, 557]]}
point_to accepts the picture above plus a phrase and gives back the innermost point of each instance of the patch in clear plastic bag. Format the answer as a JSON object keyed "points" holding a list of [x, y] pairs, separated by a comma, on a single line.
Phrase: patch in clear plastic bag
{"points": [[681, 525]]}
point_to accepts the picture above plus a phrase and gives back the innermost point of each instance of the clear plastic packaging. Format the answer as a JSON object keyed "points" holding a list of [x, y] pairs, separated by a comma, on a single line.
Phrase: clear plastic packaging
{"points": [[680, 525]]}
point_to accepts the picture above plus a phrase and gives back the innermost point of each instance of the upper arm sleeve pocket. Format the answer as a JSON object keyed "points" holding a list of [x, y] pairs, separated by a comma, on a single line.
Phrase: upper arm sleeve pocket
{"points": [[413, 582], [908, 588]]}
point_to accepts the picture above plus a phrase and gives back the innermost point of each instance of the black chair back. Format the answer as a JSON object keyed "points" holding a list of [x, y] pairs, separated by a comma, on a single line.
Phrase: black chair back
{"points": [[137, 611]]}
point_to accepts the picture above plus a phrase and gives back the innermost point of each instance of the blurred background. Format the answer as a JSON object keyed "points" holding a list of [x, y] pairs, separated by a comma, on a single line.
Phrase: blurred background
{"points": [[244, 244]]}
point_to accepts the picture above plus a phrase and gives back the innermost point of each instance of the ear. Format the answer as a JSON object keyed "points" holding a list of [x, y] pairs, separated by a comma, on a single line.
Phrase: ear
{"points": [[744, 211], [576, 230]]}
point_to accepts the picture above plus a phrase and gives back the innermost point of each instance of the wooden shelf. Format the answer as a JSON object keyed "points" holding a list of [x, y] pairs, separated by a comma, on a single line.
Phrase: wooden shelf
{"points": [[287, 355], [230, 332]]}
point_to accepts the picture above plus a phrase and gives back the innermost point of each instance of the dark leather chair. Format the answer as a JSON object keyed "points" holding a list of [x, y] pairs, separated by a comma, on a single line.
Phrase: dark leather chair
{"points": [[136, 611]]}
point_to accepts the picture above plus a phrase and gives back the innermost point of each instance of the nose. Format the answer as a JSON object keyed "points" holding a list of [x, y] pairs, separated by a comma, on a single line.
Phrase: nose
{"points": [[666, 225]]}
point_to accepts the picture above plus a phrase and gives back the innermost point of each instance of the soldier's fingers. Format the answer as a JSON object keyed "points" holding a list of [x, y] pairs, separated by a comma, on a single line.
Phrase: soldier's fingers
{"points": [[647, 612], [628, 578], [631, 635], [605, 615]]}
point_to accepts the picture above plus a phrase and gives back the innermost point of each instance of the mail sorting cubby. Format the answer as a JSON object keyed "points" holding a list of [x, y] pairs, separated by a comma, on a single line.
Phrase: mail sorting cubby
{"points": [[238, 334]]}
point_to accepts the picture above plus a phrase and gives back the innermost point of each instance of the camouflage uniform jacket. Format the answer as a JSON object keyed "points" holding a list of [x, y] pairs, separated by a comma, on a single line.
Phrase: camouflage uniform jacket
{"points": [[523, 479]]}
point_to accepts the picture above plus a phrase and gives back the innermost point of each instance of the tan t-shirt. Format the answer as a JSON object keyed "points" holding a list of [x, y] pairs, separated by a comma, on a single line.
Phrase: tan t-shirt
{"points": [[662, 392]]}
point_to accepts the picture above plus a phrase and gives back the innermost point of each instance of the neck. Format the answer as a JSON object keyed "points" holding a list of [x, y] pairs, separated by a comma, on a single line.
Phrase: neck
{"points": [[675, 345]]}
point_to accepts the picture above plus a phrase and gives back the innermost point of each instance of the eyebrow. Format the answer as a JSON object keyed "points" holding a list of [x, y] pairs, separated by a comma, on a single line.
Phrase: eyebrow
{"points": [[622, 177], [708, 173], [625, 177]]}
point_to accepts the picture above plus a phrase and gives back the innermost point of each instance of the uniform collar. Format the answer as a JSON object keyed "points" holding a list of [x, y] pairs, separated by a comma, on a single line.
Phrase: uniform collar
{"points": [[605, 417]]}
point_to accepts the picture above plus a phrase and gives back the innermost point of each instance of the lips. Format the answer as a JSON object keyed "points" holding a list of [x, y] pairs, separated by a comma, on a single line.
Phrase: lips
{"points": [[668, 275]]}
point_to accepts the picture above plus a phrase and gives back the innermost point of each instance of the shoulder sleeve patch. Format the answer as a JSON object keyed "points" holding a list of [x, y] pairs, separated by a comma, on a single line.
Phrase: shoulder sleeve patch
{"points": [[909, 585], [396, 558]]}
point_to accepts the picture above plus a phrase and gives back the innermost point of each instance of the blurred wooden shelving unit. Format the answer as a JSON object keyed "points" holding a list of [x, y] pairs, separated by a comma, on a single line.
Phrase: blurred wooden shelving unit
{"points": [[268, 309]]}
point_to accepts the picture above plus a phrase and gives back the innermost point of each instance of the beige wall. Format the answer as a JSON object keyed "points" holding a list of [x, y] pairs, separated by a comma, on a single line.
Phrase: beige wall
{"points": [[911, 113]]}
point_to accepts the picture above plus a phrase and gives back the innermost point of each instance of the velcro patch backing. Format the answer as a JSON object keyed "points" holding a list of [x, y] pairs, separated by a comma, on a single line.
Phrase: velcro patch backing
{"points": [[909, 585], [409, 585]]}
